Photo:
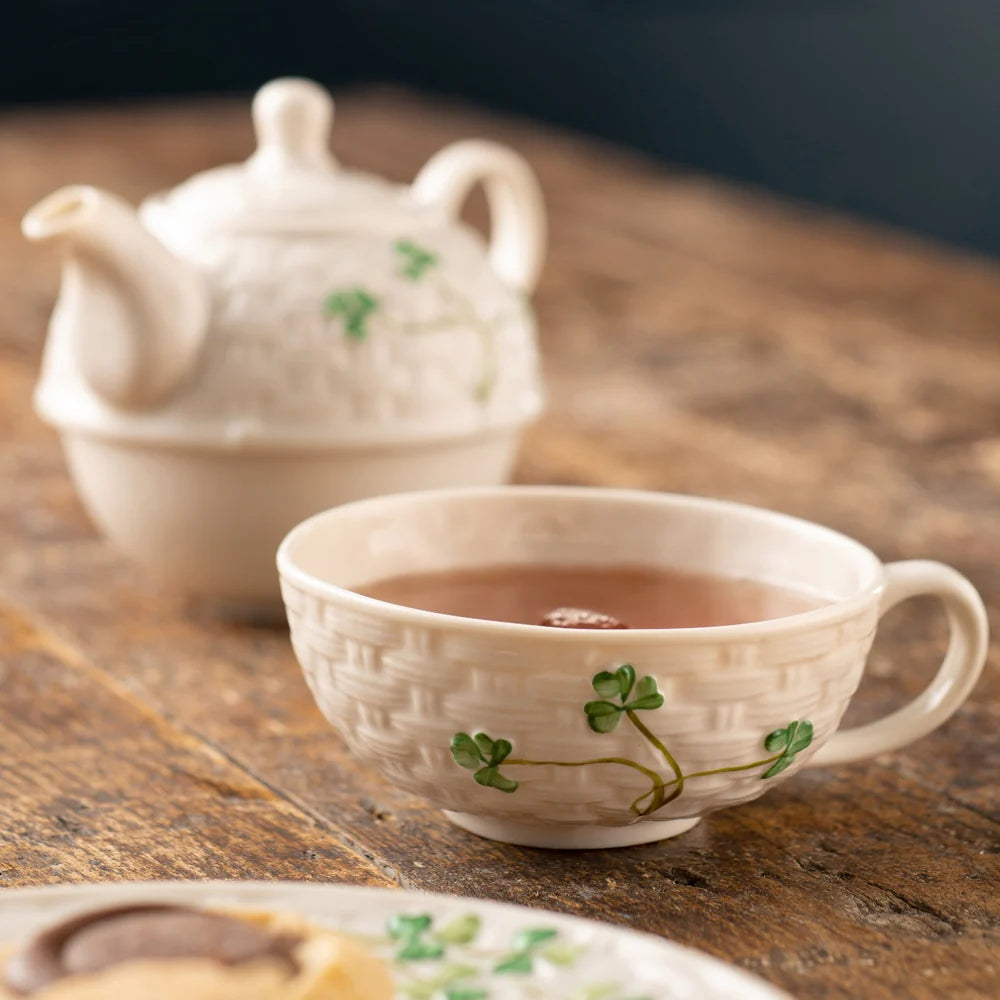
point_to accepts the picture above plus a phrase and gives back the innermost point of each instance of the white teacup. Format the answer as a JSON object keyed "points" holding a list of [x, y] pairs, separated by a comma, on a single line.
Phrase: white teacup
{"points": [[488, 719]]}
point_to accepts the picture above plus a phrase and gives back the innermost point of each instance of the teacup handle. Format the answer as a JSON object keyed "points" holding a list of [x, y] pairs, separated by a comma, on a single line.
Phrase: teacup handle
{"points": [[517, 213], [963, 663]]}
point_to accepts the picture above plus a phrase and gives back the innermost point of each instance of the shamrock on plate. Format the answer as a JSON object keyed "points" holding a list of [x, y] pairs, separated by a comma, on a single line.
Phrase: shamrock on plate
{"points": [[412, 933], [620, 694], [453, 982], [523, 950]]}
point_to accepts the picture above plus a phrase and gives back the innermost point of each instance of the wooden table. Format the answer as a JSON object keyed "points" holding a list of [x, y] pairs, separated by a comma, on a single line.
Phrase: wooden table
{"points": [[699, 338]]}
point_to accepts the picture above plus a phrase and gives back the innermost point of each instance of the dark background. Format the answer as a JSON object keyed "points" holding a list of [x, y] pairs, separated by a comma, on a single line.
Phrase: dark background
{"points": [[888, 108]]}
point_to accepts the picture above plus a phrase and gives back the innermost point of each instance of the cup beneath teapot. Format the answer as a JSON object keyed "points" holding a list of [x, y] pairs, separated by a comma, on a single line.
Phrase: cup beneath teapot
{"points": [[277, 336]]}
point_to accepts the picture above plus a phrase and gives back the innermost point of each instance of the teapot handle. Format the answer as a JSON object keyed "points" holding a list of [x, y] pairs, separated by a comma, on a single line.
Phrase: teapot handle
{"points": [[517, 213]]}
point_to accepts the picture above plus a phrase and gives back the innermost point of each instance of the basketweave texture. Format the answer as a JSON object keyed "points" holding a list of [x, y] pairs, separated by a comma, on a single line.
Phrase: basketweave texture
{"points": [[455, 345], [398, 693], [326, 338]]}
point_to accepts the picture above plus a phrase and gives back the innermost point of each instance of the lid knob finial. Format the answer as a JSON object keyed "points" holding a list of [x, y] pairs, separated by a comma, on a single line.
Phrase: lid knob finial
{"points": [[292, 118]]}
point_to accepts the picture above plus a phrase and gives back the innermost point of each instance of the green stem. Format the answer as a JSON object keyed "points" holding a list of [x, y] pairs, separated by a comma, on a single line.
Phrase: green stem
{"points": [[703, 774], [465, 314], [737, 767], [657, 791], [667, 756], [486, 336]]}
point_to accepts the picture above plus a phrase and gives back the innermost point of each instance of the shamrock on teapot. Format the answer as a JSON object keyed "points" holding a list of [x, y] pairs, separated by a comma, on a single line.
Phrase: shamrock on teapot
{"points": [[276, 337]]}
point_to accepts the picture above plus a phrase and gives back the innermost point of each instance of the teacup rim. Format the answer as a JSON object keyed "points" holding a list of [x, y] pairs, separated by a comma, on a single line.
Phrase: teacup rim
{"points": [[829, 613]]}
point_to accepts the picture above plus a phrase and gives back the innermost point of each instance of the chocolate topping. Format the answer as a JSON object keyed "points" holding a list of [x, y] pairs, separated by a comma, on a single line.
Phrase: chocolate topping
{"points": [[105, 938], [580, 618]]}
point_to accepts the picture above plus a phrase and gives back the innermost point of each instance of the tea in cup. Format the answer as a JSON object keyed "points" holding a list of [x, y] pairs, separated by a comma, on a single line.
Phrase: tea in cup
{"points": [[584, 668]]}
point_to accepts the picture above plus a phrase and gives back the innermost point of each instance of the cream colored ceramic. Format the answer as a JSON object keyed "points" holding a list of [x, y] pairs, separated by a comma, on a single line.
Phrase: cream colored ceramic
{"points": [[581, 739], [438, 947], [274, 337]]}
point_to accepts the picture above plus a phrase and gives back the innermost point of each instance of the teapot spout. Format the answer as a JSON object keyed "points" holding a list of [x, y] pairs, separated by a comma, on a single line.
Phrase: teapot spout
{"points": [[132, 316]]}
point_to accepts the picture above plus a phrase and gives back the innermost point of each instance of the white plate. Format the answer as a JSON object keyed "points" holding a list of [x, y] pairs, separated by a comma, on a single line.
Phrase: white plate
{"points": [[445, 947]]}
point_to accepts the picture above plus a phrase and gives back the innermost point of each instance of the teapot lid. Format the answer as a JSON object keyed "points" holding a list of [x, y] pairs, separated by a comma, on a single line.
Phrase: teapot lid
{"points": [[291, 183]]}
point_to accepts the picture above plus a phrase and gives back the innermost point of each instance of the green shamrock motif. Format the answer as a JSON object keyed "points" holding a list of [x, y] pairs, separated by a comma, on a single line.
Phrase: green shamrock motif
{"points": [[603, 991], [416, 260], [465, 993], [353, 306], [793, 739], [412, 934], [604, 715], [484, 756], [523, 951], [461, 930], [621, 694], [451, 983]]}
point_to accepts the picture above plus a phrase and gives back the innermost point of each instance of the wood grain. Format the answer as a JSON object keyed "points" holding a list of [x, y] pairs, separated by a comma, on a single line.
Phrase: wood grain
{"points": [[698, 338]]}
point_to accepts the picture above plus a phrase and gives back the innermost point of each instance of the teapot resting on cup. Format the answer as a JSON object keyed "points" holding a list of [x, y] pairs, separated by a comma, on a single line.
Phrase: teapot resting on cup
{"points": [[280, 336]]}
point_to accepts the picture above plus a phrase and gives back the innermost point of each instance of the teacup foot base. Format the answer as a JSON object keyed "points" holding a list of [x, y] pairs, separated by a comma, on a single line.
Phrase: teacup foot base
{"points": [[570, 838]]}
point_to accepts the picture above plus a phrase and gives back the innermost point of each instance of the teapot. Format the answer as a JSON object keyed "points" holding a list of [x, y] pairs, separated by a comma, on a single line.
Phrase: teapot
{"points": [[279, 336]]}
